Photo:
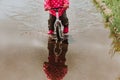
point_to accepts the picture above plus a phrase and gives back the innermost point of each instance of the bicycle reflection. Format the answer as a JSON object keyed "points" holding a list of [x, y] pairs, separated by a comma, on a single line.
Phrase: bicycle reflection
{"points": [[55, 68]]}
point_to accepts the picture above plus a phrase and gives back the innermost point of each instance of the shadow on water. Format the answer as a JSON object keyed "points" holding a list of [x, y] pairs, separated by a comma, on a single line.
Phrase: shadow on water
{"points": [[55, 68]]}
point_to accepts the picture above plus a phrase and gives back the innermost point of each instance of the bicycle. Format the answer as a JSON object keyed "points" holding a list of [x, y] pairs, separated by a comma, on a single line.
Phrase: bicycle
{"points": [[58, 31]]}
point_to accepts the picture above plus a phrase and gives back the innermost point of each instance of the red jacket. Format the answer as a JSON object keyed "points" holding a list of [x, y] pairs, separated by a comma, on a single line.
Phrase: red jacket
{"points": [[54, 4]]}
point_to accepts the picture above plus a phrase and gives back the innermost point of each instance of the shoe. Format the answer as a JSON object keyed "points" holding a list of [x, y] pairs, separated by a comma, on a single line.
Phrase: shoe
{"points": [[50, 32], [65, 30]]}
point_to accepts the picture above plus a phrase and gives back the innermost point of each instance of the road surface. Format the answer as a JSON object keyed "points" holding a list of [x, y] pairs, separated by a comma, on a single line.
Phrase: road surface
{"points": [[24, 42]]}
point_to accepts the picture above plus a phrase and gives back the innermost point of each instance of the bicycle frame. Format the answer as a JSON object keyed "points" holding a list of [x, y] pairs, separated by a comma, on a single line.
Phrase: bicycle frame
{"points": [[57, 16], [59, 35], [58, 27], [58, 24]]}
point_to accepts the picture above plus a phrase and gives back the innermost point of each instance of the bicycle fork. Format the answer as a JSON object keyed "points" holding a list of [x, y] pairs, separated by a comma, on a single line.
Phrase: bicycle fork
{"points": [[58, 26]]}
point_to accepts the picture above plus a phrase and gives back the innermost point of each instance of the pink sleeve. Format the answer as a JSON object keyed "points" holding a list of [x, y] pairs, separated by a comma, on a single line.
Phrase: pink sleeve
{"points": [[66, 2], [46, 4]]}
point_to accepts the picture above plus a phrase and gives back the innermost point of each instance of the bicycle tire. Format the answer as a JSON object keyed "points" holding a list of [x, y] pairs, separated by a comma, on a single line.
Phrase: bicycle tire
{"points": [[58, 31]]}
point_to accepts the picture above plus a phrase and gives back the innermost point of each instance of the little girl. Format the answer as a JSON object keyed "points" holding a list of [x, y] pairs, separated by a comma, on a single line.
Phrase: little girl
{"points": [[48, 4]]}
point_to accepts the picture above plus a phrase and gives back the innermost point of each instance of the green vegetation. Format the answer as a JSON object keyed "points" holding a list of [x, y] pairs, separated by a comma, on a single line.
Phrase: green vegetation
{"points": [[114, 26], [114, 5], [113, 21]]}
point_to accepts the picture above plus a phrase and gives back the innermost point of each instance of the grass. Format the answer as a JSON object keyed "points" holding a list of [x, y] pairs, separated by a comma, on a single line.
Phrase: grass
{"points": [[114, 5]]}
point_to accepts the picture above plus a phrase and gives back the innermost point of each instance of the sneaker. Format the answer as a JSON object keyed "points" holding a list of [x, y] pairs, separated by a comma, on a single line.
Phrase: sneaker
{"points": [[50, 32], [65, 30]]}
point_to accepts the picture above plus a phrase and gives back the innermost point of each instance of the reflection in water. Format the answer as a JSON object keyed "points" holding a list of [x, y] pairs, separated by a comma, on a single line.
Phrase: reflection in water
{"points": [[55, 68]]}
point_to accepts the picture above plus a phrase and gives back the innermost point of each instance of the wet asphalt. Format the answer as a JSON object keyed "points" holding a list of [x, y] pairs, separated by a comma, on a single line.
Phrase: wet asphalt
{"points": [[25, 46]]}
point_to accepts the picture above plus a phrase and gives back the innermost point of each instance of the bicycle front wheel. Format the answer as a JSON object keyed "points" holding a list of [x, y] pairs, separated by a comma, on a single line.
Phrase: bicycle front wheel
{"points": [[58, 31]]}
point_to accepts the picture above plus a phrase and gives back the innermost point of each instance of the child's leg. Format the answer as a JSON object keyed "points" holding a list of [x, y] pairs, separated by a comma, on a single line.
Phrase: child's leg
{"points": [[65, 22], [51, 22]]}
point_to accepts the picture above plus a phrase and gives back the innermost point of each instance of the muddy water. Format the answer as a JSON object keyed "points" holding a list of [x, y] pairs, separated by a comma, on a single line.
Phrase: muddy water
{"points": [[24, 42]]}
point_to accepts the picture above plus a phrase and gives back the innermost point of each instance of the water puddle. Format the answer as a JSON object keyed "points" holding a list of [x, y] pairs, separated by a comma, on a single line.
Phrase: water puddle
{"points": [[23, 32]]}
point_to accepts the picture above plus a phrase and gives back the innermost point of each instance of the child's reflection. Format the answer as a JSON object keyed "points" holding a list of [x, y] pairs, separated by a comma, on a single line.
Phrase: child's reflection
{"points": [[55, 68]]}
